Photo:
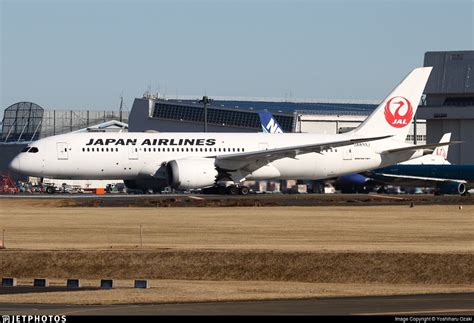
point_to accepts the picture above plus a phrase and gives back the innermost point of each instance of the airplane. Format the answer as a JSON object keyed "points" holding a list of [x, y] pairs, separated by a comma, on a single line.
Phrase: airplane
{"points": [[225, 160], [447, 179]]}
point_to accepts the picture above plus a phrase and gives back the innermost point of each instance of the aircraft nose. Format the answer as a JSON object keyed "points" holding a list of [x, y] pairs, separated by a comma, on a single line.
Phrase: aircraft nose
{"points": [[15, 165]]}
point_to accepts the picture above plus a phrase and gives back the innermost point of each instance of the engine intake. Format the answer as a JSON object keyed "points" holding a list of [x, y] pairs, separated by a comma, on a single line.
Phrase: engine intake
{"points": [[451, 188]]}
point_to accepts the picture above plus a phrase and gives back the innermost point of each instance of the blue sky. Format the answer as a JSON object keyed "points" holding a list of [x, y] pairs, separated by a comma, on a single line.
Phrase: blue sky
{"points": [[86, 54]]}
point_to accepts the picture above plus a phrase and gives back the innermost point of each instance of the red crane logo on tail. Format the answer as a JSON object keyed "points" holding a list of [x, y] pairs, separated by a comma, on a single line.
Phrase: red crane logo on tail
{"points": [[440, 151], [398, 112]]}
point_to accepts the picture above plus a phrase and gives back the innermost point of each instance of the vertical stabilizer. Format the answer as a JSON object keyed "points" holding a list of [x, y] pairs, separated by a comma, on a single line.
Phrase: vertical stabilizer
{"points": [[442, 151], [395, 114], [439, 156], [269, 123]]}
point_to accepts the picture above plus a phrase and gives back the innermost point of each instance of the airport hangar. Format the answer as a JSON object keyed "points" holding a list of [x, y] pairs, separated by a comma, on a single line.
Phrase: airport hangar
{"points": [[447, 107]]}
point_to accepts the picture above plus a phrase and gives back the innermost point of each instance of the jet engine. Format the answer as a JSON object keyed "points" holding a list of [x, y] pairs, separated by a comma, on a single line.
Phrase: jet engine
{"points": [[354, 183], [451, 188], [192, 173]]}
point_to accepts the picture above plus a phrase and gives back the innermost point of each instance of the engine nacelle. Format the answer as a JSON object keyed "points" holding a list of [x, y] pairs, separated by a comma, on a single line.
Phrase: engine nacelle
{"points": [[354, 183], [192, 173], [451, 188]]}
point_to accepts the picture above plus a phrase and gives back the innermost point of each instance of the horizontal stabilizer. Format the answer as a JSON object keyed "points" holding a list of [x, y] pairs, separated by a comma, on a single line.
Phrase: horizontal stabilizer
{"points": [[415, 148]]}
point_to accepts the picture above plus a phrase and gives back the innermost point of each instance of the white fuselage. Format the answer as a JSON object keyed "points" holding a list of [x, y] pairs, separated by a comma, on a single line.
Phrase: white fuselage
{"points": [[139, 155]]}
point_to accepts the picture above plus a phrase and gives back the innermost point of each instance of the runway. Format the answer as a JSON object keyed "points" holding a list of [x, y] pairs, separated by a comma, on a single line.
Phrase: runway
{"points": [[434, 304]]}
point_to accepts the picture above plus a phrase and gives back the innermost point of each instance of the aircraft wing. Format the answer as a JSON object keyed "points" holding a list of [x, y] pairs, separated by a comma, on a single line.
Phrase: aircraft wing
{"points": [[415, 148], [246, 159], [405, 178]]}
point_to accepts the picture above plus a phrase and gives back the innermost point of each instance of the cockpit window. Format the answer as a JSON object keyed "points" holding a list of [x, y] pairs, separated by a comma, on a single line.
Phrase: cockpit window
{"points": [[24, 150], [33, 150]]}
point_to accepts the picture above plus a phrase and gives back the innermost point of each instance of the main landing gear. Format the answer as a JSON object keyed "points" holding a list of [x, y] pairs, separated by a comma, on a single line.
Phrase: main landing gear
{"points": [[229, 190], [234, 190]]}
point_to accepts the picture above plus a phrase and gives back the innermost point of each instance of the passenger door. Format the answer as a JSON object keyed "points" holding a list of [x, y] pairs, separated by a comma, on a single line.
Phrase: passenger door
{"points": [[62, 150], [347, 153], [132, 152]]}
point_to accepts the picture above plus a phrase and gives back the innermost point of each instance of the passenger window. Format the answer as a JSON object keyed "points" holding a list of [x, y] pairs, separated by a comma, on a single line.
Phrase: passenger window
{"points": [[33, 150]]}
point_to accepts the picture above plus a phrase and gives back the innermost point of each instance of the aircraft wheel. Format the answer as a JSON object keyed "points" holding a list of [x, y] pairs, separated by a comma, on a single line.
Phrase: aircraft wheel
{"points": [[243, 190], [232, 190], [50, 190]]}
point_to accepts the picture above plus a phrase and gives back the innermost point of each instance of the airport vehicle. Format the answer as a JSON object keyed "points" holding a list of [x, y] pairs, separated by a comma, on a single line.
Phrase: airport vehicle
{"points": [[7, 185], [199, 160]]}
